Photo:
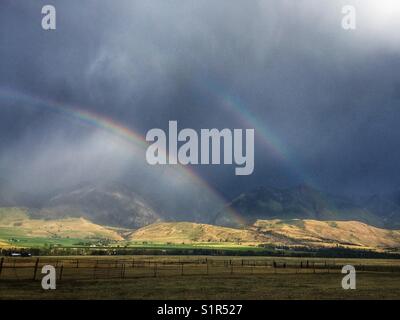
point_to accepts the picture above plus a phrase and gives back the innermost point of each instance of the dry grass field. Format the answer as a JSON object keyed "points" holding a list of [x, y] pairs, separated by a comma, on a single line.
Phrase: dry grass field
{"points": [[19, 229], [15, 222], [192, 277], [314, 232]]}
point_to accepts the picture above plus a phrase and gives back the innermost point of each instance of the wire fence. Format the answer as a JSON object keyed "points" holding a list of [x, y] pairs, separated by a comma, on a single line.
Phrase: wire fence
{"points": [[114, 268]]}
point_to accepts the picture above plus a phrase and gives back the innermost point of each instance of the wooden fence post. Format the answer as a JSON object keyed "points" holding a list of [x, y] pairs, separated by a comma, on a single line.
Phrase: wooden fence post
{"points": [[61, 272], [123, 271], [35, 270], [155, 269], [181, 268], [95, 269], [1, 264]]}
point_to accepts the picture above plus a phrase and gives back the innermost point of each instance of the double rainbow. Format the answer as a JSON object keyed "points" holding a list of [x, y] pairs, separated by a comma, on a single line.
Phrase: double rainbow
{"points": [[109, 125]]}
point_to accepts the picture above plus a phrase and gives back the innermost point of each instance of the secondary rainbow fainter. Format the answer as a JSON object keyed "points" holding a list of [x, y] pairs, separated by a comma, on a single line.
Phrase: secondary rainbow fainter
{"points": [[233, 105], [274, 145], [109, 125]]}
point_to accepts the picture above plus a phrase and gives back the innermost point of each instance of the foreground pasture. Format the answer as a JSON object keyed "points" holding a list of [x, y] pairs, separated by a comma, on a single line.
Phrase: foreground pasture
{"points": [[193, 277]]}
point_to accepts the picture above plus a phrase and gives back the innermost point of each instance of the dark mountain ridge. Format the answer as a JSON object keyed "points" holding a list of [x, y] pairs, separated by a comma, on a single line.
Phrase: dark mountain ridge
{"points": [[305, 202], [109, 204], [114, 204]]}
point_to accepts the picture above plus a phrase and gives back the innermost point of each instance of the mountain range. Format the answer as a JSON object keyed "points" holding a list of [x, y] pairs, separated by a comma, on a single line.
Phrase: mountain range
{"points": [[304, 202], [116, 205], [106, 204], [292, 233], [18, 228]]}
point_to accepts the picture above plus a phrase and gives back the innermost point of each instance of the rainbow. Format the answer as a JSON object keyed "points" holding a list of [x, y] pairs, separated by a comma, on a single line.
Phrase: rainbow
{"points": [[116, 129], [275, 147], [80, 114]]}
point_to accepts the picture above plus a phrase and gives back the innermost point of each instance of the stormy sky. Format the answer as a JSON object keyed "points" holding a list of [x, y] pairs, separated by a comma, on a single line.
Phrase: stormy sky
{"points": [[324, 102]]}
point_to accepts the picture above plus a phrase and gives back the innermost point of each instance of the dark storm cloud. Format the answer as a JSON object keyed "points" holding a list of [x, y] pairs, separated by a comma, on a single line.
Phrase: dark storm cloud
{"points": [[330, 97]]}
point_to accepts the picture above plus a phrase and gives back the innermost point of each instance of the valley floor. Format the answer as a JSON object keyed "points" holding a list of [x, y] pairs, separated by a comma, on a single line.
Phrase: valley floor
{"points": [[189, 277], [271, 286]]}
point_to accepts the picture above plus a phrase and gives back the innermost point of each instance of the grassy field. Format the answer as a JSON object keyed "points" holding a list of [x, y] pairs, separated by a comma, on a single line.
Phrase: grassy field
{"points": [[13, 239], [17, 238], [193, 277], [271, 286]]}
